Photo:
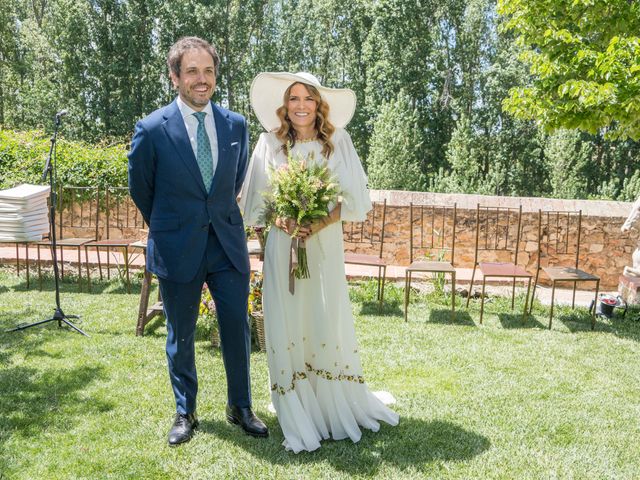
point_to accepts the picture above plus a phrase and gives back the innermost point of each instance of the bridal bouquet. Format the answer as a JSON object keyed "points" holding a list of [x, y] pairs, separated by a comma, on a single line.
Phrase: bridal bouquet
{"points": [[301, 189]]}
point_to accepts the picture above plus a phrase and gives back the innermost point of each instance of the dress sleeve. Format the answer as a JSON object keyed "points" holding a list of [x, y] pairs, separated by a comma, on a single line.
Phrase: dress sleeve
{"points": [[255, 184], [353, 181]]}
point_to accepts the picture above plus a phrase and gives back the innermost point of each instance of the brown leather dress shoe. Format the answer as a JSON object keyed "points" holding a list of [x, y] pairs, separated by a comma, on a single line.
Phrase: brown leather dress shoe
{"points": [[182, 428], [244, 417]]}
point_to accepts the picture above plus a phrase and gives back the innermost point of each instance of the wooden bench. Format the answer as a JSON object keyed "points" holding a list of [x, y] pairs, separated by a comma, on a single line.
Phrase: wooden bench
{"points": [[146, 312]]}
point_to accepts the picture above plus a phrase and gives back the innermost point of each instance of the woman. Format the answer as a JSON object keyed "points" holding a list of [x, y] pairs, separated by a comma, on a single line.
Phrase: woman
{"points": [[317, 385]]}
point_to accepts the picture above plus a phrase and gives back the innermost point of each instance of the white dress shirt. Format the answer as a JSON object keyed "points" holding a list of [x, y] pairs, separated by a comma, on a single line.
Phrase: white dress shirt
{"points": [[191, 123]]}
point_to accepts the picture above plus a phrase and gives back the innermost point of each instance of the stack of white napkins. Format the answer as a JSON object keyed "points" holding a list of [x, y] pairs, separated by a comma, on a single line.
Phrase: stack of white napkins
{"points": [[24, 213]]}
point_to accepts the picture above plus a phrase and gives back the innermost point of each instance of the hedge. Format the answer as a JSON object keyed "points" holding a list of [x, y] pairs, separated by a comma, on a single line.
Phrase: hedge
{"points": [[23, 156]]}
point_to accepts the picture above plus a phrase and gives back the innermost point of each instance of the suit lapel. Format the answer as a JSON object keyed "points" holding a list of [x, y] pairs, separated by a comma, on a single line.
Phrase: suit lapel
{"points": [[223, 131], [177, 133]]}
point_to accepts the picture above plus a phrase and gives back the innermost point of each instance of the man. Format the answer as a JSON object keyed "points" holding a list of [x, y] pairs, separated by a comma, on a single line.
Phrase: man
{"points": [[186, 166]]}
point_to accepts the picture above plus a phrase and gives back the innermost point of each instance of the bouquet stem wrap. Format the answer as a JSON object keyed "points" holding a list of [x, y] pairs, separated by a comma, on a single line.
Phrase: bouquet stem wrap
{"points": [[298, 267]]}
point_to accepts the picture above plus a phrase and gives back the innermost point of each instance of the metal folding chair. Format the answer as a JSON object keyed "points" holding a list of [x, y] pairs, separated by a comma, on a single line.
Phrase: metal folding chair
{"points": [[559, 235], [432, 233], [370, 233], [498, 231]]}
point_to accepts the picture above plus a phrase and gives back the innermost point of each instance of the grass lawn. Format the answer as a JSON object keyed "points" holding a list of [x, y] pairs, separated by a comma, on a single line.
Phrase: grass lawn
{"points": [[499, 400]]}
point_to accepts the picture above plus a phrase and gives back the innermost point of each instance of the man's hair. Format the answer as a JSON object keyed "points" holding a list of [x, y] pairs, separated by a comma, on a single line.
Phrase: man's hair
{"points": [[178, 49]]}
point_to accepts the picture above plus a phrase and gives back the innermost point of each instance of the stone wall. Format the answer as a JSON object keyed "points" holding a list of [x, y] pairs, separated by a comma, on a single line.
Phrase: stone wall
{"points": [[604, 250]]}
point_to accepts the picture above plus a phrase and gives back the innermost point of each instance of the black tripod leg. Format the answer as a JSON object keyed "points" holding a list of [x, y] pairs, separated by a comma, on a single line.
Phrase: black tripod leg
{"points": [[68, 323], [22, 327]]}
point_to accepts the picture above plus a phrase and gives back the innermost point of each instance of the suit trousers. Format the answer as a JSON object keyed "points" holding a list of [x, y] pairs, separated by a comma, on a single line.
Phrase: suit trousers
{"points": [[230, 290]]}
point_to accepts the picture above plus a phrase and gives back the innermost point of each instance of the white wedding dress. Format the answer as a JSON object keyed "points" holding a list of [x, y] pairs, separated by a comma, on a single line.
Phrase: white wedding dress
{"points": [[317, 385]]}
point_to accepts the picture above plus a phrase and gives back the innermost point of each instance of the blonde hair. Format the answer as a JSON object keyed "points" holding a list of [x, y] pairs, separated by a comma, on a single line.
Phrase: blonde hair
{"points": [[287, 134]]}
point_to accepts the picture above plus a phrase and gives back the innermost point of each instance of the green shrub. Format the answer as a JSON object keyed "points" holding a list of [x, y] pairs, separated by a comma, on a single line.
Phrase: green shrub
{"points": [[23, 156]]}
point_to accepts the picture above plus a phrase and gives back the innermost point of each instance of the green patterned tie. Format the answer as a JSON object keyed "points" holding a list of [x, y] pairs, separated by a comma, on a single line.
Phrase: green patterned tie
{"points": [[203, 156]]}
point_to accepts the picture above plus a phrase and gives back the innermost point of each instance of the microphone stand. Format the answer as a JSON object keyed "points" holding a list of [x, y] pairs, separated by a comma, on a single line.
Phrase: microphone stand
{"points": [[49, 168]]}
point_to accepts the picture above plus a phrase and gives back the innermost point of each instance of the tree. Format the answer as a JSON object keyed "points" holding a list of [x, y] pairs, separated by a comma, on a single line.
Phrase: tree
{"points": [[584, 57], [105, 62], [395, 144], [465, 154], [568, 159], [408, 49], [630, 188], [8, 46]]}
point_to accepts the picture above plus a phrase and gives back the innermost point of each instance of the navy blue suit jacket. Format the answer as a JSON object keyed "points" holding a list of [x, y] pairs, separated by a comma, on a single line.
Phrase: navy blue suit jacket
{"points": [[166, 185]]}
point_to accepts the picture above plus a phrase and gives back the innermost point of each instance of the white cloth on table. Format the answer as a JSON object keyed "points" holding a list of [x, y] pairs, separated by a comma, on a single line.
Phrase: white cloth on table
{"points": [[317, 384]]}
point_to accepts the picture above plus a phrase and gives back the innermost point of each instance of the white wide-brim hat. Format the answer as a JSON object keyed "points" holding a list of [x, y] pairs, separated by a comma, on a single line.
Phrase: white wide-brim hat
{"points": [[267, 91]]}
